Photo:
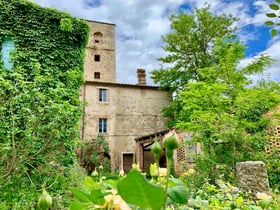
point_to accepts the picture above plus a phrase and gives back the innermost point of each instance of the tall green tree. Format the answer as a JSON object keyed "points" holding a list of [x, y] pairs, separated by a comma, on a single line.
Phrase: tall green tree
{"points": [[214, 98], [189, 47], [223, 113]]}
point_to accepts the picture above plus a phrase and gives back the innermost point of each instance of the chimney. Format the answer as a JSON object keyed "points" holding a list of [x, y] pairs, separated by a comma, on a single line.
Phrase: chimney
{"points": [[141, 74]]}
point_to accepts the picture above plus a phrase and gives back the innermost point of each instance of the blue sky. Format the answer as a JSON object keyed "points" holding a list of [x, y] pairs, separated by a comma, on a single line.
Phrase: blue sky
{"points": [[141, 23]]}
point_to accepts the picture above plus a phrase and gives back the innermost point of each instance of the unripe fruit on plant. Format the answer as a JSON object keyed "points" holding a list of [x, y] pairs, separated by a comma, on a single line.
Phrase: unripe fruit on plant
{"points": [[44, 201], [156, 148], [171, 140]]}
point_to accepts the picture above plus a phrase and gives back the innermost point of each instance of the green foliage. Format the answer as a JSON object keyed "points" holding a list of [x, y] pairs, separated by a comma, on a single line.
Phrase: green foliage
{"points": [[273, 169], [190, 47], [223, 113], [95, 154], [135, 189], [66, 24], [39, 106], [215, 99], [275, 7]]}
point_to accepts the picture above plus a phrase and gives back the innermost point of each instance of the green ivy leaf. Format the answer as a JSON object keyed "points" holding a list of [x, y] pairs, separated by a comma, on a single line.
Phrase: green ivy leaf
{"points": [[135, 189], [271, 15], [273, 32], [274, 6], [178, 194], [278, 1], [269, 23]]}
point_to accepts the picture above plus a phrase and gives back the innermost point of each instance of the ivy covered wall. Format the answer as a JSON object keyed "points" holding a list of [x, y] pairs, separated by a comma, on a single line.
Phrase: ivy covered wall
{"points": [[39, 95]]}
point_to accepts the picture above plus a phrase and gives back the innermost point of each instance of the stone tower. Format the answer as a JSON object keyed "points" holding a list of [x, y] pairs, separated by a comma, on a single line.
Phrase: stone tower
{"points": [[100, 60], [119, 112]]}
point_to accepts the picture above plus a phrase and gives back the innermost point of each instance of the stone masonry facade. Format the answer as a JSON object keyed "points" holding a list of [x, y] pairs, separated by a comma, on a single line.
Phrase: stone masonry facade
{"points": [[120, 112]]}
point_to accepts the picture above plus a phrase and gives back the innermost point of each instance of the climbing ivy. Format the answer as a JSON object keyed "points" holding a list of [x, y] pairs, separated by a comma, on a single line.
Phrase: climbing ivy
{"points": [[39, 97]]}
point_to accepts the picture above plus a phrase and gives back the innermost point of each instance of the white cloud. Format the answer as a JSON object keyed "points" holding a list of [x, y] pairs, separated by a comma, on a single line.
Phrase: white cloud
{"points": [[141, 23], [271, 72]]}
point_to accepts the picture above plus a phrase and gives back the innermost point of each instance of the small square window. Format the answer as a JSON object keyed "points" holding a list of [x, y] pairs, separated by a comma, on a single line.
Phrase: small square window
{"points": [[102, 95], [97, 58], [96, 75], [96, 41], [102, 125]]}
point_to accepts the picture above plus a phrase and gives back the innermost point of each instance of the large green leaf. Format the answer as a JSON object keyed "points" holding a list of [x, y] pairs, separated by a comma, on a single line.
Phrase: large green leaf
{"points": [[135, 189], [80, 194], [89, 182], [178, 194], [97, 197], [77, 206], [177, 191]]}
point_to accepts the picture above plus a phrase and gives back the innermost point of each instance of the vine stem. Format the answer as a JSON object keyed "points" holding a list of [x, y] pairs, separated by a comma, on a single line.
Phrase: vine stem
{"points": [[169, 161]]}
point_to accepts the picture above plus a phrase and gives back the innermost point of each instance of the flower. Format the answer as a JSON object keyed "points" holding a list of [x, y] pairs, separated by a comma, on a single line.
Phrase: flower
{"points": [[94, 173], [121, 173], [136, 167], [162, 172], [155, 171], [262, 196], [116, 200], [190, 172]]}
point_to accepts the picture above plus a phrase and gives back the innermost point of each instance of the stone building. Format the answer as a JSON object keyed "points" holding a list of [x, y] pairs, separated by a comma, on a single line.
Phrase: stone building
{"points": [[121, 112]]}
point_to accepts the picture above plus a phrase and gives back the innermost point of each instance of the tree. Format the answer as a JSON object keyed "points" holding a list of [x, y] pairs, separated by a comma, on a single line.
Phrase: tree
{"points": [[214, 98], [190, 47], [224, 113]]}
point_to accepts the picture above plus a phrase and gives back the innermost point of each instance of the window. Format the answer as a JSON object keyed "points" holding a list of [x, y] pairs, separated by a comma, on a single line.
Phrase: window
{"points": [[97, 37], [102, 95], [97, 58], [8, 45], [102, 125], [96, 75]]}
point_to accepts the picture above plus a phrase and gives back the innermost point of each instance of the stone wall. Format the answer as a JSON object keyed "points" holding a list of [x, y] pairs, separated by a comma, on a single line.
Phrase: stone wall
{"points": [[131, 111], [252, 177], [101, 42]]}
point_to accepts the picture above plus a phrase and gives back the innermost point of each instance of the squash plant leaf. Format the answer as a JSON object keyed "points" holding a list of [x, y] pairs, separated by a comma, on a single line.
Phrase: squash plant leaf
{"points": [[135, 189]]}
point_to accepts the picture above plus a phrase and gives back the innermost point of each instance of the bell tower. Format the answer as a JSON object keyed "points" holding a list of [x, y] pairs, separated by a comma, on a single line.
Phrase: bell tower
{"points": [[100, 59]]}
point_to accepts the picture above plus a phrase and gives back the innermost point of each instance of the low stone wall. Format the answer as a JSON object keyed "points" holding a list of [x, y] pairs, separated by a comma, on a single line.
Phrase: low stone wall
{"points": [[252, 177]]}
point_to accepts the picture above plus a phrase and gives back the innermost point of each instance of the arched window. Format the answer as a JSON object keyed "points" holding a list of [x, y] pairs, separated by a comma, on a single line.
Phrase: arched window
{"points": [[8, 45], [97, 37]]}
